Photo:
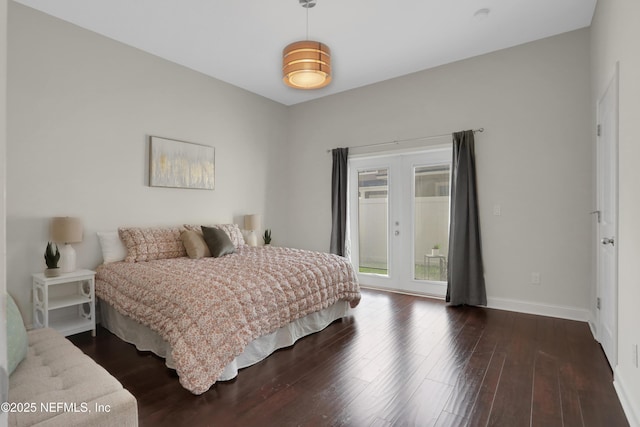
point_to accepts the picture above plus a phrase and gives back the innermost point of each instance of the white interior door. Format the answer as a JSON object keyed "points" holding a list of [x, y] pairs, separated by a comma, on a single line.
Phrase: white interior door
{"points": [[399, 220], [607, 195]]}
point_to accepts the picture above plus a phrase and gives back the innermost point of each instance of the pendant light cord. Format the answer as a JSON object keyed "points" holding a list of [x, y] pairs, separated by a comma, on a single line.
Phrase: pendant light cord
{"points": [[307, 7]]}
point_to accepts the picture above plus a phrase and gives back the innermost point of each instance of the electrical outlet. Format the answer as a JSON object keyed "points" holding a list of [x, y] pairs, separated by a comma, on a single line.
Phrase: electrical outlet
{"points": [[535, 278], [634, 355], [497, 210]]}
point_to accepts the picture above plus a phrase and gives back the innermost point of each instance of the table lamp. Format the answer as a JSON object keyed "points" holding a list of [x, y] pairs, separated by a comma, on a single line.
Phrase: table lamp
{"points": [[66, 230], [252, 223]]}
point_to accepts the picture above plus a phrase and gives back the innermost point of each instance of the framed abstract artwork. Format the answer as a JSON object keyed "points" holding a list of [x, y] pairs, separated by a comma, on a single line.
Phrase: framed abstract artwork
{"points": [[180, 164]]}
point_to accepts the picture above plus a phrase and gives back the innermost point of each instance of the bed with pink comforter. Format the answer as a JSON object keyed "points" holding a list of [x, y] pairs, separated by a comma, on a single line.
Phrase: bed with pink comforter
{"points": [[209, 309]]}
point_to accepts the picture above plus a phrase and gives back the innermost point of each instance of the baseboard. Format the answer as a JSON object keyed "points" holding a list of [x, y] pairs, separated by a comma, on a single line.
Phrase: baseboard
{"points": [[404, 292], [630, 407], [562, 312], [594, 327]]}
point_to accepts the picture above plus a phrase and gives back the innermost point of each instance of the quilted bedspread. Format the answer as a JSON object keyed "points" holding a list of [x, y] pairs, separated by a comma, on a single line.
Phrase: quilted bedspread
{"points": [[209, 309]]}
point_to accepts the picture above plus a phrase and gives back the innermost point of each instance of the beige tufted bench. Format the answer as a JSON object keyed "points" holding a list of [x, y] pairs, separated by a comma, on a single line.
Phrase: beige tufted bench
{"points": [[58, 385]]}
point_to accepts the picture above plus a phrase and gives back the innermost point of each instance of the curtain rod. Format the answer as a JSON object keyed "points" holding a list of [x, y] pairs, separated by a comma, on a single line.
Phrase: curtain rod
{"points": [[399, 141]]}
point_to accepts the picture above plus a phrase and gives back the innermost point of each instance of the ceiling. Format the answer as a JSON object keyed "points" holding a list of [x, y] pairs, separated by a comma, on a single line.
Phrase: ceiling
{"points": [[241, 42]]}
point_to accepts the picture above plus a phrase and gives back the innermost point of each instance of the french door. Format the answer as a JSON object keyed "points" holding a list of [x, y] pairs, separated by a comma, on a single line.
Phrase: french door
{"points": [[399, 220]]}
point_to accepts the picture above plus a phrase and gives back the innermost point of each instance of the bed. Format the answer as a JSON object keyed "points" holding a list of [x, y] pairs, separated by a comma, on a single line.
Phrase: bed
{"points": [[211, 316]]}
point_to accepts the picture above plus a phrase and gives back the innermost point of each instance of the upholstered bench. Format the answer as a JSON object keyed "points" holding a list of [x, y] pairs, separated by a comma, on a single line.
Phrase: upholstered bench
{"points": [[56, 384]]}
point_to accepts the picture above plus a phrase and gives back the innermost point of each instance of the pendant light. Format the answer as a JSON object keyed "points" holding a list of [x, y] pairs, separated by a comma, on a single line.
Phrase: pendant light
{"points": [[306, 64]]}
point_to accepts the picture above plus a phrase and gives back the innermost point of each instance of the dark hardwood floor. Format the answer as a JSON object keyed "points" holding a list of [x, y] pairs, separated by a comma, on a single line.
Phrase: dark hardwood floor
{"points": [[398, 361]]}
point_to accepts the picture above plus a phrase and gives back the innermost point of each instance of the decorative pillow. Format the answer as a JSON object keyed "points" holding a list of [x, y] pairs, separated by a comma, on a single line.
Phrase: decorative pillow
{"points": [[232, 230], [113, 250], [218, 242], [194, 244], [147, 244], [17, 340]]}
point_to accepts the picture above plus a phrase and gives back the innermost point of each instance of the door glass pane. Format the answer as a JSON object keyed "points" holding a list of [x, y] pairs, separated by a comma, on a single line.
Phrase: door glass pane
{"points": [[431, 241], [373, 208]]}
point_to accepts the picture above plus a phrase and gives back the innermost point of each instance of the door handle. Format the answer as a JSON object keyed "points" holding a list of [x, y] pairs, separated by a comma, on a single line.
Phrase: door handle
{"points": [[608, 241]]}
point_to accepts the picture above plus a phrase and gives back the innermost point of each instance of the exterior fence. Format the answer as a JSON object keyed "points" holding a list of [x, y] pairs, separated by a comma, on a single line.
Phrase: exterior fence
{"points": [[432, 227]]}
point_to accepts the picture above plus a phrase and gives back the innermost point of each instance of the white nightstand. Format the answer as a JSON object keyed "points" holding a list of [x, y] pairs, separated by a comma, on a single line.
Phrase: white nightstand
{"points": [[65, 303]]}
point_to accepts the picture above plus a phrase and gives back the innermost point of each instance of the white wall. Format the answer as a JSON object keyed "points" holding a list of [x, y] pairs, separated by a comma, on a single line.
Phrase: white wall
{"points": [[534, 158], [80, 109], [3, 163], [614, 37]]}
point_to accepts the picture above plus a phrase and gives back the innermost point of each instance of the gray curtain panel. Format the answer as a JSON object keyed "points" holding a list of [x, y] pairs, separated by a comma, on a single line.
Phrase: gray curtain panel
{"points": [[339, 177], [465, 276]]}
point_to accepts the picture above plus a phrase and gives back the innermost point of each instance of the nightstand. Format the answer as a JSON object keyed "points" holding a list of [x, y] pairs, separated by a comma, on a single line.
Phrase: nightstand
{"points": [[65, 303]]}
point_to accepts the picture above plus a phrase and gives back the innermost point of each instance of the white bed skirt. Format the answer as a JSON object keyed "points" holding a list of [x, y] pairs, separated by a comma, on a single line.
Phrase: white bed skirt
{"points": [[145, 339]]}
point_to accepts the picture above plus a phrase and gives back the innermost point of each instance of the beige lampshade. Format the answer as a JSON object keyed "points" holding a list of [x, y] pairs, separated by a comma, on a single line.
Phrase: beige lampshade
{"points": [[252, 222], [65, 229], [306, 65]]}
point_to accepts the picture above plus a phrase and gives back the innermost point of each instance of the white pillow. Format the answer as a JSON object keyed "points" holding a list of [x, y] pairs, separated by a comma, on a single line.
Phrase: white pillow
{"points": [[113, 249]]}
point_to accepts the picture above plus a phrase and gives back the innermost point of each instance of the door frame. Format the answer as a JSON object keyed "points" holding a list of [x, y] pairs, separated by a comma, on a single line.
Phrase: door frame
{"points": [[401, 254]]}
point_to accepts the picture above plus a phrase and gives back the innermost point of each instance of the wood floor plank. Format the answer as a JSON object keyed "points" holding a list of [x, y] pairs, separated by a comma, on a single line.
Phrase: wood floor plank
{"points": [[447, 419], [571, 406], [569, 399], [399, 360], [461, 346], [590, 371], [386, 396], [469, 384], [426, 405], [512, 403], [546, 405], [472, 380], [483, 404]]}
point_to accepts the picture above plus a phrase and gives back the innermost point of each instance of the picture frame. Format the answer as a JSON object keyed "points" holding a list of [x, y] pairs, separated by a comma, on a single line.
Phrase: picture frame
{"points": [[181, 164]]}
